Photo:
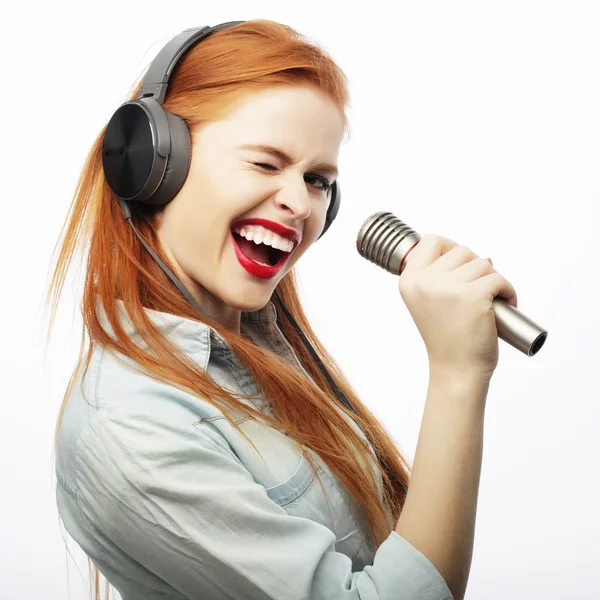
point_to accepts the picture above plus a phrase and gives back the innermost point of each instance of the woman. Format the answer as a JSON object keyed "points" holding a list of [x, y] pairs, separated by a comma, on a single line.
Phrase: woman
{"points": [[191, 437]]}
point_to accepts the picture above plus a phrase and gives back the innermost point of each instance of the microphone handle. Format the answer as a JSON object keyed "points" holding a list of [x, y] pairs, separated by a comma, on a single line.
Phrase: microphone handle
{"points": [[387, 242]]}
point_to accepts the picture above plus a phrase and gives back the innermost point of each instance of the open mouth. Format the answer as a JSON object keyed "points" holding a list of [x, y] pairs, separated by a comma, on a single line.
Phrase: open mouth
{"points": [[261, 253]]}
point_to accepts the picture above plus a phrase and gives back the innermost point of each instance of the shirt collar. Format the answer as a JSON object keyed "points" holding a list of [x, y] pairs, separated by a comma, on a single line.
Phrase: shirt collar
{"points": [[194, 337]]}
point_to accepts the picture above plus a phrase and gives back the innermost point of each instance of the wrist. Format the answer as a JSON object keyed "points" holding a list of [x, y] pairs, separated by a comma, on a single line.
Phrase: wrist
{"points": [[455, 393], [457, 377]]}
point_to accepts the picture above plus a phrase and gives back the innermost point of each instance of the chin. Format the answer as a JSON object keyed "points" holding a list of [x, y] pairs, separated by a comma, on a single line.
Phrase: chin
{"points": [[251, 302]]}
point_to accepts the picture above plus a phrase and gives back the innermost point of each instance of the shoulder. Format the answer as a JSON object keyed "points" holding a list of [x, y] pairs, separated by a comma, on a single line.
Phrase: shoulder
{"points": [[121, 386], [115, 402]]}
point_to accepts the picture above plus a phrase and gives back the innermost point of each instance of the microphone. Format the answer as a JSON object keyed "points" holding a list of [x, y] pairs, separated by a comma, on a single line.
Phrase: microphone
{"points": [[387, 241]]}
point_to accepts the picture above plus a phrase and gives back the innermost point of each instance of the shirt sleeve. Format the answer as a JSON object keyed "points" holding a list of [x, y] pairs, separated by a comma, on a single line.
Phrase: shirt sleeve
{"points": [[178, 500]]}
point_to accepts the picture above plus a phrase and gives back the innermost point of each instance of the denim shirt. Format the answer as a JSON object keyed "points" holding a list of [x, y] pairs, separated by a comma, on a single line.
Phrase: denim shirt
{"points": [[171, 502]]}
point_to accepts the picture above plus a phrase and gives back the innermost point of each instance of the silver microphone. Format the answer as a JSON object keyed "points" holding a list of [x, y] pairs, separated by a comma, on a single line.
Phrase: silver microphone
{"points": [[386, 241]]}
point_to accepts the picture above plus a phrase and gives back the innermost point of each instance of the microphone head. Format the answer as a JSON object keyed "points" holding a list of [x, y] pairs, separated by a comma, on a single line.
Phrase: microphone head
{"points": [[386, 241]]}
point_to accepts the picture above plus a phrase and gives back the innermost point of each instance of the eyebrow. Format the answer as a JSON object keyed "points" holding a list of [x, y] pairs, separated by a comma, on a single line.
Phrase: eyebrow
{"points": [[288, 159]]}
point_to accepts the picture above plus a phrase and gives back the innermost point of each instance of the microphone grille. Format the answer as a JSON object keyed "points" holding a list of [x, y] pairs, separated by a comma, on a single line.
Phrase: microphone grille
{"points": [[385, 240]]}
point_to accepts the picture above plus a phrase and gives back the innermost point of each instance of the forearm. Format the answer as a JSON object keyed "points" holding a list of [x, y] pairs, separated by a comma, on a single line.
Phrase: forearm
{"points": [[438, 517]]}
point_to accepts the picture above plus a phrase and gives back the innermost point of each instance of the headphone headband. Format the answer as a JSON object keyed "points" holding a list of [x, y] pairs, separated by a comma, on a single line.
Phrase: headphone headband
{"points": [[157, 78]]}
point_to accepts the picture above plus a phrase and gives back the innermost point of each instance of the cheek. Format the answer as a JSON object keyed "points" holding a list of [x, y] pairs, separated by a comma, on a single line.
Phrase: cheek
{"points": [[318, 225], [308, 239]]}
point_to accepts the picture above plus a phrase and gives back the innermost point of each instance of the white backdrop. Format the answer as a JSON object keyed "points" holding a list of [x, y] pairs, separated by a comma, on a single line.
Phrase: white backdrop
{"points": [[479, 121]]}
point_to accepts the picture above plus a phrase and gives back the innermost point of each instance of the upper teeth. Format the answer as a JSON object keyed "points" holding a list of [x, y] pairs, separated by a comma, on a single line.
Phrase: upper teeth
{"points": [[262, 235]]}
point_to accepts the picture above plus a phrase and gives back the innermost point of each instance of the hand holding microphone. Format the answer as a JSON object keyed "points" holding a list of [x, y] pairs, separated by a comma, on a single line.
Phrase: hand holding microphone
{"points": [[448, 291], [459, 302]]}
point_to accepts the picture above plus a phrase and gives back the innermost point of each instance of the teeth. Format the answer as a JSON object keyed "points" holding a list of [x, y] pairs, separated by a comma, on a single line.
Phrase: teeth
{"points": [[261, 235]]}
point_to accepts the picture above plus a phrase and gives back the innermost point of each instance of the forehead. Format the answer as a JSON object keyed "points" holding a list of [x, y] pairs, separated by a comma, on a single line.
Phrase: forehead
{"points": [[300, 122], [302, 109]]}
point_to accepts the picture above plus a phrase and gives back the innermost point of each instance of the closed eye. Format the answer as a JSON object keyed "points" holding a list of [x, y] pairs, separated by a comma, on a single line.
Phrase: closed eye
{"points": [[325, 182]]}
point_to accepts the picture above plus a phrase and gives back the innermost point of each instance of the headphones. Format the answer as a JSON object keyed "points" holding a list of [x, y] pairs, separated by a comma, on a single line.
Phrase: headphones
{"points": [[146, 154], [146, 150]]}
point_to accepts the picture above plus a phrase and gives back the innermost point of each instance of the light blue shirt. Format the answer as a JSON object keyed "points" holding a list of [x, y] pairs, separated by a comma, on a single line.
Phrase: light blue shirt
{"points": [[171, 502]]}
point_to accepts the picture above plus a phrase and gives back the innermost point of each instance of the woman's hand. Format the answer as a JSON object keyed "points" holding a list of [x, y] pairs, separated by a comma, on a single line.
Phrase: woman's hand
{"points": [[448, 291]]}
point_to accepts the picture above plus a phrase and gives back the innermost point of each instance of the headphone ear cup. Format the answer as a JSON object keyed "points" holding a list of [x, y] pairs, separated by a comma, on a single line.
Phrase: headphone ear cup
{"points": [[178, 161], [334, 207], [146, 152]]}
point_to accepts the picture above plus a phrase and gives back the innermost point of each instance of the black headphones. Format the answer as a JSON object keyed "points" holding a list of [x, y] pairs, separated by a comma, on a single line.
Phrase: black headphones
{"points": [[146, 150], [146, 153]]}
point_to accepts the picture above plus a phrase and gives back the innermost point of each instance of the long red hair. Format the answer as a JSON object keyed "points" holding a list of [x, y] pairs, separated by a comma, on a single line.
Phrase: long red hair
{"points": [[212, 75]]}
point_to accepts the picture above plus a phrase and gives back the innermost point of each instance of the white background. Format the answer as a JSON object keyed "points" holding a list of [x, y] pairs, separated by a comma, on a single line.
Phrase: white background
{"points": [[477, 120]]}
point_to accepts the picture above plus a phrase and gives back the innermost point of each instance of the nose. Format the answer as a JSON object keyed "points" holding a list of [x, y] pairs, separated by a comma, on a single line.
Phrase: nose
{"points": [[294, 197]]}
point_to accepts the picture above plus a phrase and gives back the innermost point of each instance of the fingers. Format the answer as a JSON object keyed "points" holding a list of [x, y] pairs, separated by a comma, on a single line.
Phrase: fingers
{"points": [[429, 249], [497, 285], [481, 269], [449, 256], [474, 269], [456, 257], [444, 252]]}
